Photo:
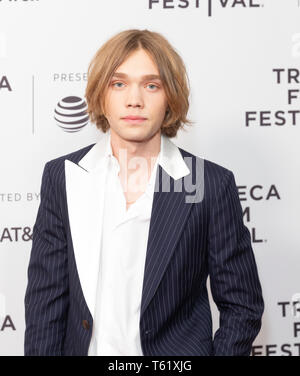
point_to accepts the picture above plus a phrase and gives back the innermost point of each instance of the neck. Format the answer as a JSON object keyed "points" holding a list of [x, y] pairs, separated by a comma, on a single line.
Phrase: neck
{"points": [[136, 158], [135, 148]]}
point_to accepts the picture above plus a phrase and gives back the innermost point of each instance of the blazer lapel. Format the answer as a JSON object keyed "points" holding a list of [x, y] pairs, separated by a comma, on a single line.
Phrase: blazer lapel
{"points": [[85, 184], [169, 214]]}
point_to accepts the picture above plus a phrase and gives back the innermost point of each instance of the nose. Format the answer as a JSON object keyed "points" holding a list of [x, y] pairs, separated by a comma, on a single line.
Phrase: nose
{"points": [[134, 97]]}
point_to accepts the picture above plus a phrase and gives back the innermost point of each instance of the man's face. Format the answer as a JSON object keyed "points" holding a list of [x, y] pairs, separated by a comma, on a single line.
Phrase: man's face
{"points": [[130, 93]]}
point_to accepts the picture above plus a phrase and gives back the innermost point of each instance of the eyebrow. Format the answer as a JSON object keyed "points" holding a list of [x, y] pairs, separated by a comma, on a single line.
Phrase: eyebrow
{"points": [[145, 77]]}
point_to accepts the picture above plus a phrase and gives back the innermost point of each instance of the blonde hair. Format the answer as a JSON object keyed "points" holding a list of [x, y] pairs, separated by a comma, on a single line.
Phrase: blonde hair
{"points": [[171, 70]]}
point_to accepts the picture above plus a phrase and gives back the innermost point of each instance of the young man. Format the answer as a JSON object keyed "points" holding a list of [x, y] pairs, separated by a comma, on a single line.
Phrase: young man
{"points": [[122, 246]]}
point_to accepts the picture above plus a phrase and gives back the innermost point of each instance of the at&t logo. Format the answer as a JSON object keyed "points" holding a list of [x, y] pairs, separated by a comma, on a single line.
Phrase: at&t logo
{"points": [[70, 114]]}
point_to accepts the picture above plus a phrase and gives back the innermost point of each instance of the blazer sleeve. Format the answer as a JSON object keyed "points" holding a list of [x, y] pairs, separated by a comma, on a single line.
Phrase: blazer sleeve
{"points": [[46, 297], [234, 280]]}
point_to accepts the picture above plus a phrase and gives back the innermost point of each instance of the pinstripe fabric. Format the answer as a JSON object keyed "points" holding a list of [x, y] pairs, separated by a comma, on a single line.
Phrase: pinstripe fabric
{"points": [[186, 243]]}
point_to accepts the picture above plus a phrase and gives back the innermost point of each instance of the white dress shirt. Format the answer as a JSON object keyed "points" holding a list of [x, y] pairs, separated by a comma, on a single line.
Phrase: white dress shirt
{"points": [[116, 329]]}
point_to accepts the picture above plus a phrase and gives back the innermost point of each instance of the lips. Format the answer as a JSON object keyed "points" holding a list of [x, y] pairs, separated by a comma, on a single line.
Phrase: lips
{"points": [[130, 117], [134, 119]]}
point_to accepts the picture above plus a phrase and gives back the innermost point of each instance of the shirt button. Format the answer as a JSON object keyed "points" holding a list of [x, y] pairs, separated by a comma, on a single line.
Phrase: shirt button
{"points": [[147, 331], [85, 324]]}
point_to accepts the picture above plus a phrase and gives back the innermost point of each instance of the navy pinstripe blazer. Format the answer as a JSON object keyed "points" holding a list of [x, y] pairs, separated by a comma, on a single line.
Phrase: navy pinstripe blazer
{"points": [[187, 242]]}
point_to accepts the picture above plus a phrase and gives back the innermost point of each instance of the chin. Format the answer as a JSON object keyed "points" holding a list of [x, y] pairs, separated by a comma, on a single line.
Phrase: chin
{"points": [[135, 134]]}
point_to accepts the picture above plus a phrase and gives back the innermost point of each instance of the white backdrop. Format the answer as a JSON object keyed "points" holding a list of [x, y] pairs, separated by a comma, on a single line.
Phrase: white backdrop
{"points": [[243, 62]]}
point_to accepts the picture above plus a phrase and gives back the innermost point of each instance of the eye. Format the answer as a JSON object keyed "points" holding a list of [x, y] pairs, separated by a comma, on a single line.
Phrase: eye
{"points": [[117, 83], [155, 86]]}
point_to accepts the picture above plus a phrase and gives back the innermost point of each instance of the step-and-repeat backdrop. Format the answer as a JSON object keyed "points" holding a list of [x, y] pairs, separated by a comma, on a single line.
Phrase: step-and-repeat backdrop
{"points": [[243, 62]]}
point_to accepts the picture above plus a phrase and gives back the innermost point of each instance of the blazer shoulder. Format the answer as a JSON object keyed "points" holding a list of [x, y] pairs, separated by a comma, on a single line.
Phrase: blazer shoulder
{"points": [[215, 176], [74, 156], [212, 170], [56, 166]]}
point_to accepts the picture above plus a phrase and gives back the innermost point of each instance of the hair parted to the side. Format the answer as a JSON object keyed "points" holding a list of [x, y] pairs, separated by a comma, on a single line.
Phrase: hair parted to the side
{"points": [[170, 66]]}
